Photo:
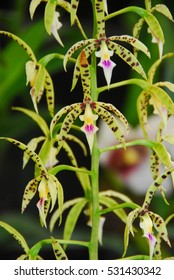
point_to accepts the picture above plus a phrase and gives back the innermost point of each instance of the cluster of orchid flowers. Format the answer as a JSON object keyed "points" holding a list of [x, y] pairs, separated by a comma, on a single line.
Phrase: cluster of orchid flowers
{"points": [[88, 111], [104, 47]]}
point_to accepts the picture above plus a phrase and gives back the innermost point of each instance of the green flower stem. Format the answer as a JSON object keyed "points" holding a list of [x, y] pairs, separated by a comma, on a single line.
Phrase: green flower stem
{"points": [[95, 158], [149, 144], [140, 11], [139, 82], [34, 251], [93, 248]]}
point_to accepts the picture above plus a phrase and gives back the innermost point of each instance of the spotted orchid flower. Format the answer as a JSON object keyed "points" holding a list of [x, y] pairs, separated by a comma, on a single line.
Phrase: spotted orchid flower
{"points": [[49, 189], [154, 27], [105, 47], [146, 225], [92, 110], [148, 221]]}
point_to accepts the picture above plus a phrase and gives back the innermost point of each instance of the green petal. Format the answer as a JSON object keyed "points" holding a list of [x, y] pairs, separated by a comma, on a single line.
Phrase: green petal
{"points": [[154, 165], [162, 153], [67, 123], [31, 154], [33, 6], [29, 192], [32, 145], [49, 93], [74, 48], [52, 189], [74, 7], [111, 122], [26, 48], [59, 114], [132, 41], [49, 15], [112, 108], [100, 13], [164, 98], [128, 57], [58, 250], [16, 235], [88, 50], [163, 9], [160, 226], [142, 103]]}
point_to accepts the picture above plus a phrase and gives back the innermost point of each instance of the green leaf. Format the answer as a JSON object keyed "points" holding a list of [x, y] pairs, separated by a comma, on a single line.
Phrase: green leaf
{"points": [[57, 213], [58, 250], [37, 118], [16, 235], [72, 218]]}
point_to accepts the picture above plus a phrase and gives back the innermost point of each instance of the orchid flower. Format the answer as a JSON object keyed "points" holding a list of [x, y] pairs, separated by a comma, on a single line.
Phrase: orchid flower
{"points": [[89, 128], [107, 112], [105, 61], [49, 189], [105, 47], [148, 220], [146, 225]]}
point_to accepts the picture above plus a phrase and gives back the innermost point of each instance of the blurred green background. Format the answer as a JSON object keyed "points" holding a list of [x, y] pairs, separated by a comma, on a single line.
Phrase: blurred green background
{"points": [[14, 17]]}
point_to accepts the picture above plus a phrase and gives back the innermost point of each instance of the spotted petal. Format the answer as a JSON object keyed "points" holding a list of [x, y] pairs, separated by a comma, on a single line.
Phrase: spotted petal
{"points": [[74, 7], [26, 47], [74, 48], [160, 226], [29, 192], [33, 6], [87, 50], [132, 41], [111, 122], [67, 123], [59, 114], [128, 57], [110, 107]]}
